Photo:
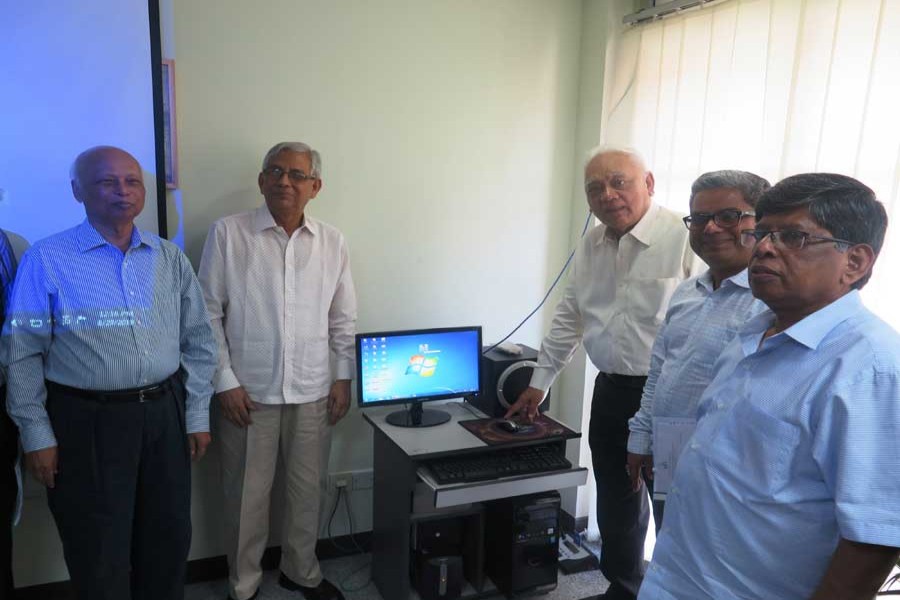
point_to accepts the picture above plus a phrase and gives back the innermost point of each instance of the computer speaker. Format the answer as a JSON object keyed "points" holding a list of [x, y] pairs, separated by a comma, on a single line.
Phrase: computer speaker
{"points": [[503, 378]]}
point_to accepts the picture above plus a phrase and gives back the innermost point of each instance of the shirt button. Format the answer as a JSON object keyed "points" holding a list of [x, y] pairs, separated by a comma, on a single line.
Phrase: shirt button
{"points": [[138, 321], [694, 445], [132, 293], [721, 405]]}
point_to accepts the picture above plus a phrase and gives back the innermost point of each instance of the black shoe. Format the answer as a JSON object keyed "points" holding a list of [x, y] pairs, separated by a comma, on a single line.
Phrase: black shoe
{"points": [[324, 591], [253, 597]]}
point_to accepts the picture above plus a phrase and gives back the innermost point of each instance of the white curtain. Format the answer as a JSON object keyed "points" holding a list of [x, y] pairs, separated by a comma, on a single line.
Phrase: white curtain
{"points": [[776, 87]]}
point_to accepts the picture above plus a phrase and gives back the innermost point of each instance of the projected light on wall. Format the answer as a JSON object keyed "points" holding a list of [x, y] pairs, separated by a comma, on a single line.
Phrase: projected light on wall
{"points": [[75, 74]]}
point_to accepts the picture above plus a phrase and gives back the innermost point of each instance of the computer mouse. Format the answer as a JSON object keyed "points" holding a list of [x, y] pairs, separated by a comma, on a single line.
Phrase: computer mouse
{"points": [[508, 425]]}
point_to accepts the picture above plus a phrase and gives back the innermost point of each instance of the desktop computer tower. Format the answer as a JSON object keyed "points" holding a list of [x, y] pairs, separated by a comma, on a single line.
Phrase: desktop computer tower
{"points": [[503, 378], [523, 543]]}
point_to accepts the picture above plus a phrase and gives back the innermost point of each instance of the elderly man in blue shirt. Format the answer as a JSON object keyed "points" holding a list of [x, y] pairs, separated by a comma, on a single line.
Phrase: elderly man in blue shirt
{"points": [[704, 314], [111, 357], [788, 487], [9, 439]]}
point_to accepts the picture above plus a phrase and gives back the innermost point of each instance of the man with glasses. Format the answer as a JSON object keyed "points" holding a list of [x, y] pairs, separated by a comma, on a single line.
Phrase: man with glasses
{"points": [[704, 314], [788, 487], [281, 300], [623, 274]]}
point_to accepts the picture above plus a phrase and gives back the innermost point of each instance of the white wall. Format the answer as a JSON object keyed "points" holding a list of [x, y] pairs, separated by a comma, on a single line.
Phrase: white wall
{"points": [[451, 134], [447, 135]]}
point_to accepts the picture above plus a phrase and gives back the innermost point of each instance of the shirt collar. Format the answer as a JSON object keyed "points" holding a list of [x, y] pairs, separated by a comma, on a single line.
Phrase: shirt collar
{"points": [[262, 220], [89, 238], [740, 279], [642, 230], [811, 330]]}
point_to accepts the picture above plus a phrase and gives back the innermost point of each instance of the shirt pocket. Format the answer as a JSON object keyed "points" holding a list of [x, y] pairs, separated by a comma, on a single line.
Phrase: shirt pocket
{"points": [[648, 298], [754, 451]]}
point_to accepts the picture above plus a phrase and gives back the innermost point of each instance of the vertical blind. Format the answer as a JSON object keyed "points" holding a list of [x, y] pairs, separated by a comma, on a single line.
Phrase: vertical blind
{"points": [[776, 87]]}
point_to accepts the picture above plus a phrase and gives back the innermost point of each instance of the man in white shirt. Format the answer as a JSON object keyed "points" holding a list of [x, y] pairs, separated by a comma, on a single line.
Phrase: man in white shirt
{"points": [[703, 315], [280, 296], [623, 274]]}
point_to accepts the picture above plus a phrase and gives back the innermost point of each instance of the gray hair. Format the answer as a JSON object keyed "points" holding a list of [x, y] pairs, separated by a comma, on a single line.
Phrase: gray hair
{"points": [[750, 185], [300, 148], [76, 171], [607, 149], [843, 206]]}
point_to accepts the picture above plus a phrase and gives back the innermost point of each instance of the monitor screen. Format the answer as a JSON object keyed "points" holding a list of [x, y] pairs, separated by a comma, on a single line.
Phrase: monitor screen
{"points": [[417, 366]]}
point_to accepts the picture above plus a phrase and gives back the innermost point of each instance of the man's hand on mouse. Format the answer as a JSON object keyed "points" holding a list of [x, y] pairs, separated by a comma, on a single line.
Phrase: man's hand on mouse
{"points": [[527, 404]]}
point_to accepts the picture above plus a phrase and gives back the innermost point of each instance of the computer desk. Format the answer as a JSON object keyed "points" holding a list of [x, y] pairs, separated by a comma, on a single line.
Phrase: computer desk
{"points": [[404, 491]]}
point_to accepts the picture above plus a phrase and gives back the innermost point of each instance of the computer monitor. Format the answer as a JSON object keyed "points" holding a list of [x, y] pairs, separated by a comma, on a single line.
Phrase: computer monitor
{"points": [[416, 366]]}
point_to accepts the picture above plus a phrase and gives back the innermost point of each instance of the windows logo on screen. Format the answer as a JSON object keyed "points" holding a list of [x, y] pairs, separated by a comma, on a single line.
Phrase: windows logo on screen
{"points": [[421, 365]]}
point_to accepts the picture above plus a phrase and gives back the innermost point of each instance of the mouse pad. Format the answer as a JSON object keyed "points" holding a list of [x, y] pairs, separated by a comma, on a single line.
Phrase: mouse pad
{"points": [[543, 427]]}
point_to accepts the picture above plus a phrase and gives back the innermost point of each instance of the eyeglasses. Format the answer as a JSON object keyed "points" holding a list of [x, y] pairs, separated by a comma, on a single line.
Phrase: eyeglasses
{"points": [[295, 175], [728, 217], [792, 239]]}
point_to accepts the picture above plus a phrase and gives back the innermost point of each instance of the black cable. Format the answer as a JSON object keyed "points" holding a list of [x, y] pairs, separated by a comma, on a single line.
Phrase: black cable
{"points": [[547, 295], [350, 521], [331, 539], [343, 582], [368, 581], [466, 406]]}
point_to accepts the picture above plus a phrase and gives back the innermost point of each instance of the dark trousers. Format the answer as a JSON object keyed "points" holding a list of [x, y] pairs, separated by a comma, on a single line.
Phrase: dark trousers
{"points": [[622, 515], [122, 501], [9, 489]]}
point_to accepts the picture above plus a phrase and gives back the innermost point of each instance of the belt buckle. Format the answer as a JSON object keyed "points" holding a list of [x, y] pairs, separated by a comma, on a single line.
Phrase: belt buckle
{"points": [[141, 398]]}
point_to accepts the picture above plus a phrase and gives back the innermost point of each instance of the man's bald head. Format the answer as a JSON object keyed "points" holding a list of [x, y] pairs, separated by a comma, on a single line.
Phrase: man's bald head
{"points": [[110, 184]]}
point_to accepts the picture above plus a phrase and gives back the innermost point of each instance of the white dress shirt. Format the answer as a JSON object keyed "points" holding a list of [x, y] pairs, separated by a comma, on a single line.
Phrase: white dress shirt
{"points": [[278, 304], [617, 296]]}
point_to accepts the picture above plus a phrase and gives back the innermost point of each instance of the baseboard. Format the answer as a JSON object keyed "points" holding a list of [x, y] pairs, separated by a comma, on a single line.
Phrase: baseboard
{"points": [[569, 523], [216, 567]]}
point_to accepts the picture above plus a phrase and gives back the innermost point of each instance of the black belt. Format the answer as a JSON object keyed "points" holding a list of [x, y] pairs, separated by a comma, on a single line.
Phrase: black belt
{"points": [[141, 394], [626, 380]]}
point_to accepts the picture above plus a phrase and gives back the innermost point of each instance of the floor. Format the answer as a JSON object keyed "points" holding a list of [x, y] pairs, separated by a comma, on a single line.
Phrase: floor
{"points": [[351, 574]]}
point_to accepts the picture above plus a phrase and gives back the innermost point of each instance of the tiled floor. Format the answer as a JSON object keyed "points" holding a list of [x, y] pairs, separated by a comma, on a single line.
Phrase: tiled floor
{"points": [[351, 573]]}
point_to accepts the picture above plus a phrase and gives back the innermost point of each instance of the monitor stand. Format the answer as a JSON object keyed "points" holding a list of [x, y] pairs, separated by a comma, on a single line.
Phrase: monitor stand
{"points": [[416, 416]]}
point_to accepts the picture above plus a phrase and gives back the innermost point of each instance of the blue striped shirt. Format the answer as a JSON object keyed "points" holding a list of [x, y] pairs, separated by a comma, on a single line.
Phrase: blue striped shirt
{"points": [[700, 321], [7, 273], [796, 448], [85, 315]]}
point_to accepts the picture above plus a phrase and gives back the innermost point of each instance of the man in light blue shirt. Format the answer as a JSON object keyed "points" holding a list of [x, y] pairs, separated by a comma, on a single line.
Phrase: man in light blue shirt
{"points": [[111, 357], [789, 487], [704, 314]]}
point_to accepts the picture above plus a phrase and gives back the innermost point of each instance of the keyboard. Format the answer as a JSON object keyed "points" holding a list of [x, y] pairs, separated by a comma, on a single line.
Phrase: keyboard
{"points": [[523, 460]]}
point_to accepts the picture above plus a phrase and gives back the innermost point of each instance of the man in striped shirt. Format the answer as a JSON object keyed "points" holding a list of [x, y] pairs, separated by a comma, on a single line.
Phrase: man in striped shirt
{"points": [[9, 439], [110, 359]]}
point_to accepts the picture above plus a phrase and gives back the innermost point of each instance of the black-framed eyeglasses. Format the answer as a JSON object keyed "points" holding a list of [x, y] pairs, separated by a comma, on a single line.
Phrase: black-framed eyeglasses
{"points": [[791, 239], [295, 175], [728, 217]]}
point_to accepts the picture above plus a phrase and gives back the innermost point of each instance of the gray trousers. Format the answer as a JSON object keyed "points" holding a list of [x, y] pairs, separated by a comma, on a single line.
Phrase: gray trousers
{"points": [[301, 436]]}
